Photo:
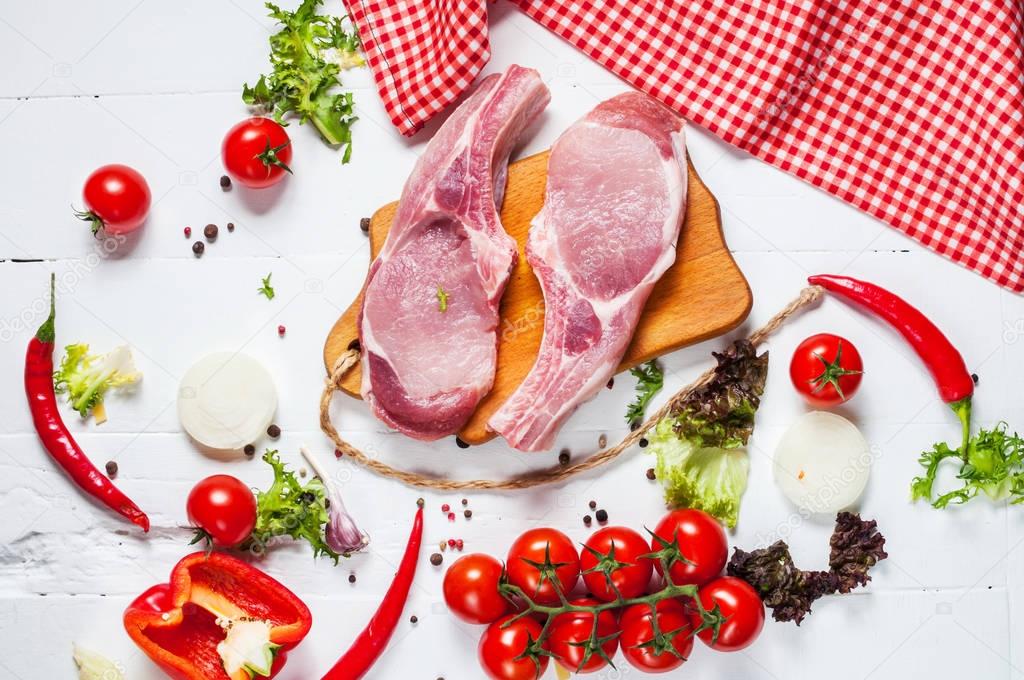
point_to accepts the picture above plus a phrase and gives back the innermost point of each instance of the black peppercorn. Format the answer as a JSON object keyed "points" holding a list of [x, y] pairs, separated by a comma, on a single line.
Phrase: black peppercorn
{"points": [[436, 559], [198, 248], [273, 431], [413, 619], [419, 502], [231, 226], [225, 182], [563, 457], [601, 515], [249, 450], [974, 377], [586, 520], [351, 578], [364, 224], [643, 443], [467, 513], [210, 232], [650, 473], [592, 504], [111, 469]]}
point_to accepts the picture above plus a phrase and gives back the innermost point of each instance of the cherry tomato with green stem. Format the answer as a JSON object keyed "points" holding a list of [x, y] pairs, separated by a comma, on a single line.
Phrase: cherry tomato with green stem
{"points": [[742, 608], [826, 370], [616, 553], [700, 540], [659, 652], [535, 548], [471, 589], [257, 152], [117, 199], [504, 652], [223, 509], [571, 632]]}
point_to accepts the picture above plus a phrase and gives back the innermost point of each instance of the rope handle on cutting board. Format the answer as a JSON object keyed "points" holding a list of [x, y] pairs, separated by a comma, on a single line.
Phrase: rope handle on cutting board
{"points": [[350, 358]]}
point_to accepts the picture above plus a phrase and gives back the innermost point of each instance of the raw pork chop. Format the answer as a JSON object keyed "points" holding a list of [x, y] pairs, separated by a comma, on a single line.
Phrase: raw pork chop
{"points": [[428, 324], [615, 201]]}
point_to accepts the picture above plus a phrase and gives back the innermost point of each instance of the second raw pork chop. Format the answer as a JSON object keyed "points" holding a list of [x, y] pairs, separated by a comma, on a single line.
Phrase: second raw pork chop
{"points": [[428, 324], [615, 201]]}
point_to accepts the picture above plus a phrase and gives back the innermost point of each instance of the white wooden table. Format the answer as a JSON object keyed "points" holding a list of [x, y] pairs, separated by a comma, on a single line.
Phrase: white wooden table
{"points": [[156, 85]]}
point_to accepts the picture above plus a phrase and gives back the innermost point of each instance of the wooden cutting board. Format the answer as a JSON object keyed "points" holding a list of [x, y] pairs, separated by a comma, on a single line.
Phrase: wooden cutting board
{"points": [[702, 295]]}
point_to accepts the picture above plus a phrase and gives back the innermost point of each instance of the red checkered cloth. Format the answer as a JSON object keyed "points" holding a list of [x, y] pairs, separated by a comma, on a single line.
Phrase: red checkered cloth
{"points": [[911, 110]]}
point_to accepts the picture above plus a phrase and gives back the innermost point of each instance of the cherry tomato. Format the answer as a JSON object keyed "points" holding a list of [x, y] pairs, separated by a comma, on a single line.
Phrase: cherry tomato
{"points": [[116, 199], [569, 633], [742, 608], [826, 370], [500, 650], [471, 589], [621, 545], [224, 508], [256, 152], [701, 541], [532, 546], [638, 632]]}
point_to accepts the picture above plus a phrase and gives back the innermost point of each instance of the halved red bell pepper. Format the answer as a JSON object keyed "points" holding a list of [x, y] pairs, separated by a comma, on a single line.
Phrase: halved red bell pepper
{"points": [[180, 624]]}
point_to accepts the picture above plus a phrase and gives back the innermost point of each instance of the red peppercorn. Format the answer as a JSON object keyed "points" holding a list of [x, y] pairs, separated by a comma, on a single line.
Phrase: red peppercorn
{"points": [[451, 542], [188, 232], [451, 516], [445, 507], [281, 330], [459, 544]]}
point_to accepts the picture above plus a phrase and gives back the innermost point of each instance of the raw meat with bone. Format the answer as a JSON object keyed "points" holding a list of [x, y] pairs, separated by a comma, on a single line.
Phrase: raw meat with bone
{"points": [[614, 204], [428, 324]]}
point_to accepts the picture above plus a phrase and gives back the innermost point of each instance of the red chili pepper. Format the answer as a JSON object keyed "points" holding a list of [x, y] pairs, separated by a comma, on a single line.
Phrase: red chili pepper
{"points": [[176, 623], [956, 386], [55, 435], [371, 642]]}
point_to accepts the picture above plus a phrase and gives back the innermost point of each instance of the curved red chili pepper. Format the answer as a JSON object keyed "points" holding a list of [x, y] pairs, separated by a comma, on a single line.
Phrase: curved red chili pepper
{"points": [[55, 436], [371, 642], [956, 386]]}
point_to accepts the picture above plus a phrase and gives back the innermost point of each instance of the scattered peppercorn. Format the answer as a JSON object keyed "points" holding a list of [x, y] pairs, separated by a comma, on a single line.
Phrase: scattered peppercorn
{"points": [[339, 454], [451, 542], [451, 516], [634, 425], [250, 450], [436, 559], [210, 232], [587, 520], [974, 377], [111, 469], [592, 504], [465, 502], [602, 441], [459, 544], [351, 578], [225, 182], [413, 619], [563, 457], [198, 248], [419, 501], [231, 226], [643, 443], [281, 330], [650, 473], [601, 515], [188, 232], [445, 507], [273, 431], [467, 513], [461, 444], [611, 382], [364, 224]]}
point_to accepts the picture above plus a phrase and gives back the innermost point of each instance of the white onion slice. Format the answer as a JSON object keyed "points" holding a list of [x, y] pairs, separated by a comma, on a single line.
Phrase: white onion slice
{"points": [[226, 400], [822, 463]]}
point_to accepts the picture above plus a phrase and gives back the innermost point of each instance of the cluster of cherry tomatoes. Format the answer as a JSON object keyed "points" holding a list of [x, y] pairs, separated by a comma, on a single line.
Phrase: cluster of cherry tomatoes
{"points": [[654, 637]]}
